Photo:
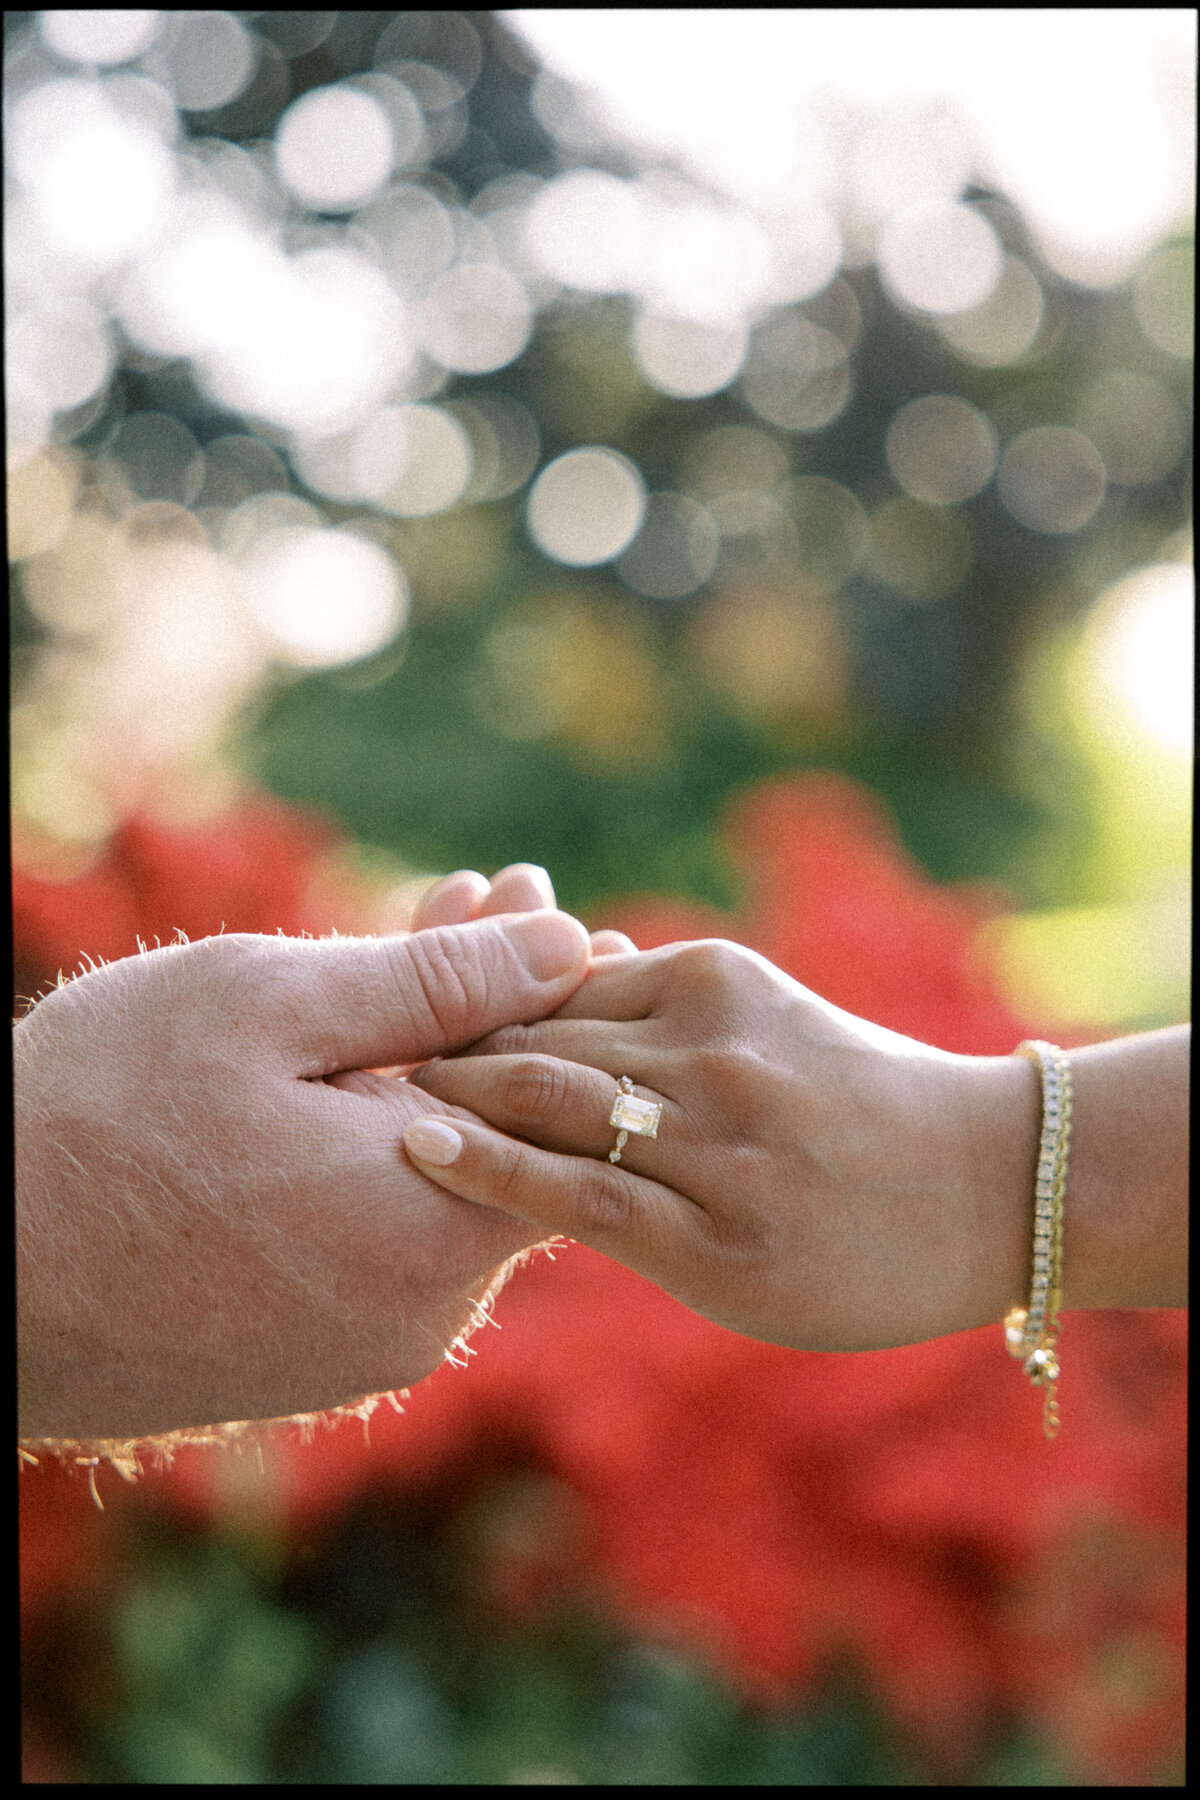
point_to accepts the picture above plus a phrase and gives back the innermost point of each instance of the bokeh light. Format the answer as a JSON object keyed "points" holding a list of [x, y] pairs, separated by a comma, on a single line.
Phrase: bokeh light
{"points": [[833, 534], [414, 230], [1004, 326], [100, 37], [687, 357], [586, 229], [586, 506], [776, 655], [1140, 649], [1164, 299], [921, 551], [797, 374], [446, 41], [505, 444], [296, 33], [410, 461], [57, 357], [263, 514], [941, 258], [909, 154], [41, 496], [734, 459], [333, 148], [699, 260], [237, 466], [758, 537], [675, 550], [433, 465], [941, 449], [1052, 479], [205, 59], [1136, 425], [323, 597], [506, 452], [99, 179], [476, 318], [152, 456], [1086, 119], [579, 670]]}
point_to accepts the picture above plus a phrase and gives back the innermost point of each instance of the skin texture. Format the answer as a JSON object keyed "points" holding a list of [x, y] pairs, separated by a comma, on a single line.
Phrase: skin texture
{"points": [[816, 1181], [215, 1218]]}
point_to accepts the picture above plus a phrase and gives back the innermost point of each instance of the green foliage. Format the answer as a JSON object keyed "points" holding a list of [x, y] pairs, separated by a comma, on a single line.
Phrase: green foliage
{"points": [[223, 1665], [410, 766], [447, 759], [375, 1656], [207, 1664], [405, 1644]]}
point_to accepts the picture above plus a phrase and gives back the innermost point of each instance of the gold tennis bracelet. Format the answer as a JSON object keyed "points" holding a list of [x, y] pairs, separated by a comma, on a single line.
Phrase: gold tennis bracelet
{"points": [[1031, 1332]]}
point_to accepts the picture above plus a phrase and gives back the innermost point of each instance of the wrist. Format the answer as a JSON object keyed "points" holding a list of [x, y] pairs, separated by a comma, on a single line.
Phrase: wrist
{"points": [[999, 1120], [1125, 1232]]}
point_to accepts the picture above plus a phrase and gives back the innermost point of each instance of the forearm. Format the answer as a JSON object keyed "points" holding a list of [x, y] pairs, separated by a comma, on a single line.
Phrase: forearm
{"points": [[1125, 1231]]}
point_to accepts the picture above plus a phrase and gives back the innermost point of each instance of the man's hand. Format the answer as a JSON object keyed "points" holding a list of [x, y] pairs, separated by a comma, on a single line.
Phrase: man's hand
{"points": [[215, 1216]]}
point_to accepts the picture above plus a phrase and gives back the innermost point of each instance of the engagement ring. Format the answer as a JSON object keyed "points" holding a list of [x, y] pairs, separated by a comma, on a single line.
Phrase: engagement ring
{"points": [[631, 1114]]}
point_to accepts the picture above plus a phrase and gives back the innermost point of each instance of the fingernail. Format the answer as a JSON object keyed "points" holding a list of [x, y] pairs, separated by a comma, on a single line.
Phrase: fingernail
{"points": [[540, 878], [548, 943], [433, 1141]]}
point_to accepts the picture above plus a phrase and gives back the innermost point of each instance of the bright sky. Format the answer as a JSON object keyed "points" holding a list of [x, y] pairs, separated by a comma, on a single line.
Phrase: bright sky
{"points": [[1084, 115]]}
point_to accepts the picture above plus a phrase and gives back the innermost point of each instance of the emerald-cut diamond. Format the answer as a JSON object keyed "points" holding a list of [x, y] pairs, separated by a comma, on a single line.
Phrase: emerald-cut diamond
{"points": [[631, 1114]]}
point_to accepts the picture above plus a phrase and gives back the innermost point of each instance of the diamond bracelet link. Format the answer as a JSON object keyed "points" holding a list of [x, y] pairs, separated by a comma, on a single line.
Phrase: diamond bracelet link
{"points": [[1031, 1332]]}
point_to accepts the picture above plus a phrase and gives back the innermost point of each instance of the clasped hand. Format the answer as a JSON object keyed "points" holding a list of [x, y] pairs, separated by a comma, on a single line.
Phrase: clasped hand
{"points": [[815, 1181], [215, 1218]]}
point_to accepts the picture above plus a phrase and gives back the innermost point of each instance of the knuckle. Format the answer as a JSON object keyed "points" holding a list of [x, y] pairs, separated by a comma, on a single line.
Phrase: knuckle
{"points": [[437, 972], [602, 1196], [714, 1069], [733, 1086], [235, 959], [710, 964], [723, 980], [513, 1171], [536, 1088]]}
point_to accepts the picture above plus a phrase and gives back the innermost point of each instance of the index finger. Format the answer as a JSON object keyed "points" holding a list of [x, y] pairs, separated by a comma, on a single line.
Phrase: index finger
{"points": [[621, 985], [641, 1223]]}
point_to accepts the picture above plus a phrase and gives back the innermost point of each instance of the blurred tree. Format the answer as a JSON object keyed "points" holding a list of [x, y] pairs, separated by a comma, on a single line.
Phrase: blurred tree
{"points": [[858, 614]]}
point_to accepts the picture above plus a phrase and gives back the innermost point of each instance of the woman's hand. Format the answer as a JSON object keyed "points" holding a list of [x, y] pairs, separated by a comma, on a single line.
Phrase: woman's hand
{"points": [[816, 1180]]}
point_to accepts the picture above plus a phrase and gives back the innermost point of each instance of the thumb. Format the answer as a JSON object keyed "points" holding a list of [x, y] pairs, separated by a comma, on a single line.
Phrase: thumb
{"points": [[367, 1002]]}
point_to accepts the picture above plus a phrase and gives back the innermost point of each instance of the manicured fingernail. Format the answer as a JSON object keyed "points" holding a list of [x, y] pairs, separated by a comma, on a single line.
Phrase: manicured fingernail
{"points": [[548, 943], [433, 1141]]}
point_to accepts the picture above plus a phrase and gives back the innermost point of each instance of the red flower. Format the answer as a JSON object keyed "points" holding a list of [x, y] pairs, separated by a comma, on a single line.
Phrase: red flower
{"points": [[250, 871], [64, 1539], [834, 900]]}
